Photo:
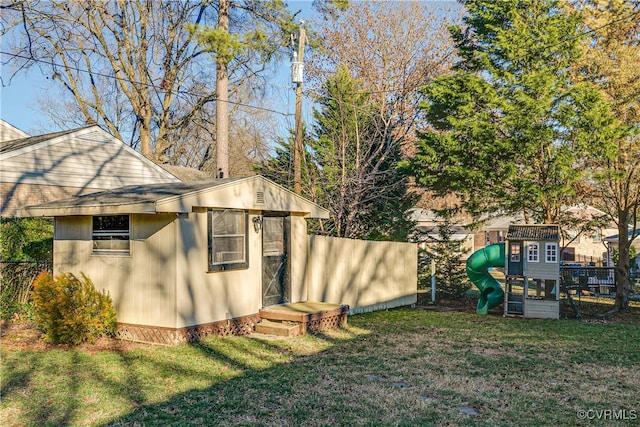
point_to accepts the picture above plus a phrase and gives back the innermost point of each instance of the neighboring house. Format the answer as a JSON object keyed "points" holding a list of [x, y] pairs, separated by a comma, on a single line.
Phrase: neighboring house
{"points": [[182, 260], [37, 169], [427, 230], [9, 132], [612, 246]]}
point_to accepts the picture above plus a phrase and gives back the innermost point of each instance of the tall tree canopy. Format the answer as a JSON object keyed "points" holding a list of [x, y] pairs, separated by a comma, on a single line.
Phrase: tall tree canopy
{"points": [[507, 125], [355, 153], [611, 60], [137, 68], [392, 48]]}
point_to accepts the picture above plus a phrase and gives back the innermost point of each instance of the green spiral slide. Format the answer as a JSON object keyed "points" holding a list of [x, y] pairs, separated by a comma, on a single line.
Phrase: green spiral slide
{"points": [[478, 264]]}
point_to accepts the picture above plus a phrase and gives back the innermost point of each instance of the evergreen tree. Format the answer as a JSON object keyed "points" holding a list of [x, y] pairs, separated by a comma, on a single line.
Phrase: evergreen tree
{"points": [[505, 126], [449, 255], [355, 155]]}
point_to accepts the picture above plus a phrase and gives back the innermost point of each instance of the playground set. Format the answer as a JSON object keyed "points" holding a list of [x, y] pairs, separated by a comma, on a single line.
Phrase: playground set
{"points": [[530, 256]]}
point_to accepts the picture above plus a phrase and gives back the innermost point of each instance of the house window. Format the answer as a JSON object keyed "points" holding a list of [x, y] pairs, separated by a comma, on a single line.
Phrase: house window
{"points": [[551, 252], [111, 234], [533, 253], [515, 252], [227, 239]]}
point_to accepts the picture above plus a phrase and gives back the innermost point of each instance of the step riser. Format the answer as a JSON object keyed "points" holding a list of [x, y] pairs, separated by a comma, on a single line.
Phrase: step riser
{"points": [[279, 329]]}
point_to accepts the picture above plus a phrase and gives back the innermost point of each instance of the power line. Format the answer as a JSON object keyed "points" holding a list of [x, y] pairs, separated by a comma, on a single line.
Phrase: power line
{"points": [[150, 85]]}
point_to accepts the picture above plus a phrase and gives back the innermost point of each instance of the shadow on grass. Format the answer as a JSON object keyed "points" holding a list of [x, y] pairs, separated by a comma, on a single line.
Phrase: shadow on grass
{"points": [[274, 386], [386, 368]]}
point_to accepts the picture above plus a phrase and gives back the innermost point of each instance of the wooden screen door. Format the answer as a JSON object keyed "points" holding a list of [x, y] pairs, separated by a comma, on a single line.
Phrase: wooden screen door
{"points": [[275, 260]]}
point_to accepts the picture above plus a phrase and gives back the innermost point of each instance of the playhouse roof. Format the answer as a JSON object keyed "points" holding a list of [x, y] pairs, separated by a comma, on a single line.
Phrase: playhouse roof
{"points": [[254, 192], [533, 232]]}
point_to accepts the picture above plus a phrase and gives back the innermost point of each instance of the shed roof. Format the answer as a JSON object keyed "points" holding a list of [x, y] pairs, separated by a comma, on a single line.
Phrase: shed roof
{"points": [[255, 192], [533, 232]]}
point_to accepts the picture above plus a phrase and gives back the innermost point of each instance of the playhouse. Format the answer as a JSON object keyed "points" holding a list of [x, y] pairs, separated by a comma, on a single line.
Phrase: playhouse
{"points": [[532, 271], [530, 257]]}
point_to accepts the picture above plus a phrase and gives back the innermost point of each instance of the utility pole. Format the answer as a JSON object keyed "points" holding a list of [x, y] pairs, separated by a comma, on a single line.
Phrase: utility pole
{"points": [[222, 100], [297, 73]]}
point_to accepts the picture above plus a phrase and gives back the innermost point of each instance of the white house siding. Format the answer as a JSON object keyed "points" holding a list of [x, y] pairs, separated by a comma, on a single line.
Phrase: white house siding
{"points": [[142, 285], [9, 132], [91, 160], [364, 274]]}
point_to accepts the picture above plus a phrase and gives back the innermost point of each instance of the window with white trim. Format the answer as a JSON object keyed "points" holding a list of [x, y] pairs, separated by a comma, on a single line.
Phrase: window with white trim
{"points": [[551, 252], [111, 234], [533, 254], [227, 239]]}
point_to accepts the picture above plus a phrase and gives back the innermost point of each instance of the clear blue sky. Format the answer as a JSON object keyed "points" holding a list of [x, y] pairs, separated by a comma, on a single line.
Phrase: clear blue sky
{"points": [[19, 96]]}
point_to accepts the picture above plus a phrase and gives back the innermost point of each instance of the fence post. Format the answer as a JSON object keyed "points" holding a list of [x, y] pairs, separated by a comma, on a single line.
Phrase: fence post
{"points": [[433, 280]]}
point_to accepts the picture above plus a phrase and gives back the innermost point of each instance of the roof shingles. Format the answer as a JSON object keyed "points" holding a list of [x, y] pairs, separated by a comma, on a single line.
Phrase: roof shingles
{"points": [[533, 232]]}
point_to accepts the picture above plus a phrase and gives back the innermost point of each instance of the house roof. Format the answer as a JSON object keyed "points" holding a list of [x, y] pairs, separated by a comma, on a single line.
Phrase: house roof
{"points": [[533, 232], [255, 192], [616, 237], [38, 169], [19, 144]]}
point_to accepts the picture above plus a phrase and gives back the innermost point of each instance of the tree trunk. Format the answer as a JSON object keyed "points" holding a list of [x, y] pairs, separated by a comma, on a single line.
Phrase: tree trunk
{"points": [[222, 103], [622, 267]]}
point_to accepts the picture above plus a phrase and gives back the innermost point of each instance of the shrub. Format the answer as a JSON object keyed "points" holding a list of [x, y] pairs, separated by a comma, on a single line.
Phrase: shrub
{"points": [[70, 310]]}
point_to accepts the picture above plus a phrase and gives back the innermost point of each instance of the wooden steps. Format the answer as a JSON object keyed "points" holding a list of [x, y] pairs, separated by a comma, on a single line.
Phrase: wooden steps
{"points": [[297, 318], [282, 329]]}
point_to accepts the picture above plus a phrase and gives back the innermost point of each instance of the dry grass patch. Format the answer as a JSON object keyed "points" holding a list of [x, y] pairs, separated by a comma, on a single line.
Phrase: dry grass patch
{"points": [[401, 367]]}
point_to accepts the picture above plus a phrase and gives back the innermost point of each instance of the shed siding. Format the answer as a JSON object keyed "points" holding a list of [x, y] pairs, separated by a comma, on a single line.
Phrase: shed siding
{"points": [[204, 297], [142, 285]]}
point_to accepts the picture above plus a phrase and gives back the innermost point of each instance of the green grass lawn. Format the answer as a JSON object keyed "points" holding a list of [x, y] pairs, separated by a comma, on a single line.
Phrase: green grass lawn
{"points": [[401, 367]]}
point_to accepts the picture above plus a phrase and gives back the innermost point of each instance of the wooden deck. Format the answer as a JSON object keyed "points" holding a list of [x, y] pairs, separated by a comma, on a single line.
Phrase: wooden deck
{"points": [[297, 318]]}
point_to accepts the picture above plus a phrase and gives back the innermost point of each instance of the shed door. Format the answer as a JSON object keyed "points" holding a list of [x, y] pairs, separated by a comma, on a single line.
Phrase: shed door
{"points": [[515, 259], [275, 260]]}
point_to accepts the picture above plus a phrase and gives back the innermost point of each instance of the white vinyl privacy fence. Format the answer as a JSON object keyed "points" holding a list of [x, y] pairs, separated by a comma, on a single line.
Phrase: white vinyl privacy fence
{"points": [[366, 275]]}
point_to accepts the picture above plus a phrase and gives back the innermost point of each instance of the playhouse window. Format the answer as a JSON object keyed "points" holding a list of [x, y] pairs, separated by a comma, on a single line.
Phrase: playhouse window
{"points": [[111, 234], [515, 252], [551, 252], [227, 239], [533, 253]]}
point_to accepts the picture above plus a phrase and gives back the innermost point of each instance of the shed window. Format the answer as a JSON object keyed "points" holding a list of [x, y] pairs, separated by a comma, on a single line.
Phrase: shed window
{"points": [[227, 239], [551, 252], [533, 253], [111, 234]]}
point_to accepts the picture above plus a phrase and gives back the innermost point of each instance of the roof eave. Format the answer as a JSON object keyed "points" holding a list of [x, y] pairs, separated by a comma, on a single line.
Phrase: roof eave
{"points": [[91, 210]]}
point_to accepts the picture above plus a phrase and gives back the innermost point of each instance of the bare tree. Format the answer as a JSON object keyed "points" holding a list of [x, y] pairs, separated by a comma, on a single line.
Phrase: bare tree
{"points": [[392, 48], [134, 67], [611, 61]]}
